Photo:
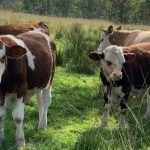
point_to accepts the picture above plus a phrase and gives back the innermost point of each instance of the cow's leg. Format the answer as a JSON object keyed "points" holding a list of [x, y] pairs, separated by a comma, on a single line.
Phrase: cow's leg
{"points": [[2, 117], [18, 116], [147, 114], [123, 109], [46, 95], [39, 102], [107, 106]]}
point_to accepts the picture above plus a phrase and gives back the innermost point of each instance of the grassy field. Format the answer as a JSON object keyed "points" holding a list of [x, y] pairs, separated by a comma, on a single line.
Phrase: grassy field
{"points": [[76, 110], [74, 118]]}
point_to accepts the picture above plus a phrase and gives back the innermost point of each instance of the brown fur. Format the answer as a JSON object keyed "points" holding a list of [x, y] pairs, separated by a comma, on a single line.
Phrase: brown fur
{"points": [[18, 76], [16, 29], [126, 38]]}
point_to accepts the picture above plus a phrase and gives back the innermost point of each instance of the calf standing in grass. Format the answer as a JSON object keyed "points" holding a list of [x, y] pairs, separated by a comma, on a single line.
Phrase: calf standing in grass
{"points": [[26, 67], [123, 69]]}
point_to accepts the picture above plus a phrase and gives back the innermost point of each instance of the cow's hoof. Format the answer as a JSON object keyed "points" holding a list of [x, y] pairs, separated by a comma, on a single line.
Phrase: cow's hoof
{"points": [[21, 142], [147, 116], [122, 126], [41, 127], [103, 125], [1, 136]]}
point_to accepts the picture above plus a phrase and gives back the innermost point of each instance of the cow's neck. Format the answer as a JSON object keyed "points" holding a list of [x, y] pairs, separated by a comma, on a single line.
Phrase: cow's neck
{"points": [[124, 38], [120, 37]]}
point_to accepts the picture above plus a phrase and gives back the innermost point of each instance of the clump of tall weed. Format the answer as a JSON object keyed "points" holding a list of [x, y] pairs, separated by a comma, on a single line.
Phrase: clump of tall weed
{"points": [[75, 43]]}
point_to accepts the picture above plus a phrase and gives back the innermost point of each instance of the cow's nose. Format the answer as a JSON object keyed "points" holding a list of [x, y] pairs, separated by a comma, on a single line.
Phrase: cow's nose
{"points": [[116, 76], [120, 76]]}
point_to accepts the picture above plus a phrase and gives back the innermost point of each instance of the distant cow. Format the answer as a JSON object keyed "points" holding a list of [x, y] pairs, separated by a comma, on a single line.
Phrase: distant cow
{"points": [[124, 69], [122, 38], [16, 29], [27, 64]]}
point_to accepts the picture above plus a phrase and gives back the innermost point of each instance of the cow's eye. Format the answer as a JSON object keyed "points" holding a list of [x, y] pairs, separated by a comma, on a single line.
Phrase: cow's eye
{"points": [[108, 63], [102, 40]]}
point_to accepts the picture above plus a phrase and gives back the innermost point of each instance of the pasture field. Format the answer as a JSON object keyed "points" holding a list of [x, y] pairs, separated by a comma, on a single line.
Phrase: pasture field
{"points": [[74, 118], [76, 109]]}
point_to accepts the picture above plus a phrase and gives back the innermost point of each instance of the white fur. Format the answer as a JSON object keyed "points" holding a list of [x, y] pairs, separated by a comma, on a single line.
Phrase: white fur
{"points": [[2, 52], [105, 115], [118, 91], [2, 65], [2, 117], [2, 69], [104, 43], [30, 57], [113, 54], [18, 116], [43, 105], [147, 114], [39, 31], [122, 120]]}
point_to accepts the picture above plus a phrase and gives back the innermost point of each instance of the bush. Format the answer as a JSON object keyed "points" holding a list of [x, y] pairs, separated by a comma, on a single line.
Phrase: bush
{"points": [[74, 46]]}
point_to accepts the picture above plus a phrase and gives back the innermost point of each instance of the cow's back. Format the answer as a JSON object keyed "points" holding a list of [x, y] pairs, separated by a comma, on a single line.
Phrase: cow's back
{"points": [[38, 45], [138, 69]]}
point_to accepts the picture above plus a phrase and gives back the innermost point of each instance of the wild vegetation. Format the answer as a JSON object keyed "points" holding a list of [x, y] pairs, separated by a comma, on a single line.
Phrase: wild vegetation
{"points": [[124, 11], [76, 110]]}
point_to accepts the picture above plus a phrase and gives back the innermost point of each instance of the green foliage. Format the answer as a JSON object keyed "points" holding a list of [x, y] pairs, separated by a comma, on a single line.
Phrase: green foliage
{"points": [[75, 44], [124, 11], [74, 117]]}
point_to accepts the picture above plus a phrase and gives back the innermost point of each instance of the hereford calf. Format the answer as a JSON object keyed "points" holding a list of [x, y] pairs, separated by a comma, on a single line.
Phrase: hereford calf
{"points": [[16, 29], [124, 69], [26, 67]]}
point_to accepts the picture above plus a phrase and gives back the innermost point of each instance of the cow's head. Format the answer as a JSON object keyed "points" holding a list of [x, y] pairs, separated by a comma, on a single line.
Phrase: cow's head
{"points": [[44, 27], [112, 59], [105, 39]]}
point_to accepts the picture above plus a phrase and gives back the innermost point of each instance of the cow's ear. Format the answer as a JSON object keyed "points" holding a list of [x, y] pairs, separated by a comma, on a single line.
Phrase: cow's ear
{"points": [[15, 52], [110, 29], [129, 56], [95, 56], [7, 41], [43, 24], [119, 28]]}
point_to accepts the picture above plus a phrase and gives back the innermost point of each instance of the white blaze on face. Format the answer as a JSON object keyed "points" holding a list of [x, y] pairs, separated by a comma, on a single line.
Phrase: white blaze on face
{"points": [[104, 42], [114, 59]]}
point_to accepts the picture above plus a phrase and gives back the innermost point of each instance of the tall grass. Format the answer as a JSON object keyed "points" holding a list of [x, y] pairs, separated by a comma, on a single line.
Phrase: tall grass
{"points": [[75, 44], [74, 38], [75, 113]]}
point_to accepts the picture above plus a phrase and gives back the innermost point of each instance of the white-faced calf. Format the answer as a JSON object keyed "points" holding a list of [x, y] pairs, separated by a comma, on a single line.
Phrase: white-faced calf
{"points": [[27, 63], [123, 69]]}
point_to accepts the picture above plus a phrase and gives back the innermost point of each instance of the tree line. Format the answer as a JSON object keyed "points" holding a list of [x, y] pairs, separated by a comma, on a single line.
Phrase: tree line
{"points": [[122, 11]]}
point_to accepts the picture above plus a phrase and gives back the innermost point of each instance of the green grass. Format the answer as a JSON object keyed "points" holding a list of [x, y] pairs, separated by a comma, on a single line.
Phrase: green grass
{"points": [[74, 118], [77, 105]]}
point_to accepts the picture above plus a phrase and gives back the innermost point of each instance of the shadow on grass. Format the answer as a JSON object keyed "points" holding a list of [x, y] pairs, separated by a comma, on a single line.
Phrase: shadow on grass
{"points": [[114, 139], [136, 135]]}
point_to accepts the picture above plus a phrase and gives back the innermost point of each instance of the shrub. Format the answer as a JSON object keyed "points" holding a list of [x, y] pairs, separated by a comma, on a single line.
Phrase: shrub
{"points": [[74, 46]]}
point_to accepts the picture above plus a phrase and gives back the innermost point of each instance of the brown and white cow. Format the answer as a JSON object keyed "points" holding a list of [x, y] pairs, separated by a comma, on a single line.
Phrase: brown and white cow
{"points": [[16, 29], [122, 38], [123, 70], [26, 67]]}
